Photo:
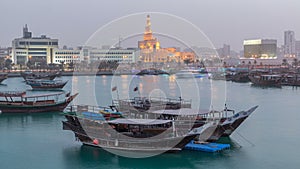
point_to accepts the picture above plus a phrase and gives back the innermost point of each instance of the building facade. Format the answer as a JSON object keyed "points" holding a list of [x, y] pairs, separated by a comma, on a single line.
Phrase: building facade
{"points": [[4, 52], [149, 42], [289, 44], [115, 54], [260, 49], [37, 50], [298, 49], [67, 56]]}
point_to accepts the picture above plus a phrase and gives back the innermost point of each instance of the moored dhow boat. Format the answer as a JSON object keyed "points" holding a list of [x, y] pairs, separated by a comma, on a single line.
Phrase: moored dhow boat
{"points": [[19, 102], [137, 135], [228, 121], [39, 84], [3, 76], [27, 75], [291, 79], [241, 77], [151, 71], [267, 80], [151, 103], [225, 122]]}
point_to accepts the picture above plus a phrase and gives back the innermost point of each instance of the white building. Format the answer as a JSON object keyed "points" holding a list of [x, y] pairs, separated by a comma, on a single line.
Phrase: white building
{"points": [[289, 44], [34, 49], [90, 54], [119, 55], [67, 56]]}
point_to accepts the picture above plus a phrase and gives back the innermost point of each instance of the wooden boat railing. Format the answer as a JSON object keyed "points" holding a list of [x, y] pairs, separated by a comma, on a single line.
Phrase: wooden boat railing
{"points": [[155, 103]]}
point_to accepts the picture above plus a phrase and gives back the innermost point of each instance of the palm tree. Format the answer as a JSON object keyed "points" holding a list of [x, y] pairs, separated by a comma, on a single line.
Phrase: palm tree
{"points": [[295, 62], [284, 62]]}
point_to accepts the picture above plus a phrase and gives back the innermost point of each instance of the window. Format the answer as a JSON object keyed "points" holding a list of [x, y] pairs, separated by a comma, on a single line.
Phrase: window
{"points": [[38, 43]]}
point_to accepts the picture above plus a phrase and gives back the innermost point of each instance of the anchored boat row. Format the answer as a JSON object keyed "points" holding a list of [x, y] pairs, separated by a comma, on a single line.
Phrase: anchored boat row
{"points": [[149, 125]]}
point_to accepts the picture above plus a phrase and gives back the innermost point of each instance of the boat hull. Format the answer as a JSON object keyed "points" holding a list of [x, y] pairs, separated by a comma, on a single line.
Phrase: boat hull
{"points": [[23, 108], [169, 144]]}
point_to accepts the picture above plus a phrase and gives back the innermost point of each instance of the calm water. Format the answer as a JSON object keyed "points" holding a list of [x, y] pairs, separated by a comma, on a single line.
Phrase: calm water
{"points": [[267, 139]]}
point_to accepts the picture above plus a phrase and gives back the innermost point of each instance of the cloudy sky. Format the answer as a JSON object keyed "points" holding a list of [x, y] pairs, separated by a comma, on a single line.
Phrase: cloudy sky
{"points": [[74, 21]]}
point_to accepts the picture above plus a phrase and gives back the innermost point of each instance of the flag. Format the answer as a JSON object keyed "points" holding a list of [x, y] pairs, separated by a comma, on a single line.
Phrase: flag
{"points": [[136, 89], [114, 88]]}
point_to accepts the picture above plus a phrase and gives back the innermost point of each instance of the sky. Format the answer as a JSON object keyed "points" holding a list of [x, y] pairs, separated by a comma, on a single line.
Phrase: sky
{"points": [[73, 22]]}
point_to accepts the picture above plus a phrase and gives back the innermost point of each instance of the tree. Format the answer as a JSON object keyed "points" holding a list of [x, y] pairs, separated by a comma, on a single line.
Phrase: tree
{"points": [[295, 62], [8, 64], [284, 62], [62, 65], [187, 61]]}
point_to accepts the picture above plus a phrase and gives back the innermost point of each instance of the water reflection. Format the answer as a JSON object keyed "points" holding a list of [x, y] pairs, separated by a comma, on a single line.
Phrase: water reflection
{"points": [[91, 157]]}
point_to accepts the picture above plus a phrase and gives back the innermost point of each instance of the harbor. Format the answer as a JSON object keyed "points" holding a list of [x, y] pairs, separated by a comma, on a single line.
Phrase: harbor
{"points": [[192, 85]]}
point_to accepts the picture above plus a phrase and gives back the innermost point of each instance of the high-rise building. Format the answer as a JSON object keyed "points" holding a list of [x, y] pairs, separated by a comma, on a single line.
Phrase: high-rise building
{"points": [[260, 49], [298, 48], [37, 50], [289, 44], [225, 51]]}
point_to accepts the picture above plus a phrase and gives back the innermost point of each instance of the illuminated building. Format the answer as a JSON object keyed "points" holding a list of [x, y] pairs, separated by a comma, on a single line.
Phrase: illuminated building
{"points": [[149, 41], [34, 49], [260, 49], [151, 51]]}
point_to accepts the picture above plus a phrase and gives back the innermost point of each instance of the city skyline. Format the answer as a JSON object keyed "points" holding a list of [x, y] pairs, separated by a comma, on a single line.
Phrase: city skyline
{"points": [[227, 22]]}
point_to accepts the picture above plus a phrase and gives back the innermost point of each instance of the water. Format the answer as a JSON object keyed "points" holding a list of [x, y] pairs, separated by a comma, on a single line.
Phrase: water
{"points": [[267, 139]]}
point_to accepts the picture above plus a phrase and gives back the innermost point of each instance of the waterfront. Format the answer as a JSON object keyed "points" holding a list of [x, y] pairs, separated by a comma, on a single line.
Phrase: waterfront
{"points": [[268, 138]]}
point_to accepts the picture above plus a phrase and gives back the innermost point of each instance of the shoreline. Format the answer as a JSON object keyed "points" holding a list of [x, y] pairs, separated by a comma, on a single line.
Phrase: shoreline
{"points": [[67, 73]]}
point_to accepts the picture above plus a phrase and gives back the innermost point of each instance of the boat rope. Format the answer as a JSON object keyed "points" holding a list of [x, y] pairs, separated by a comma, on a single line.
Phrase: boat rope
{"points": [[244, 138]]}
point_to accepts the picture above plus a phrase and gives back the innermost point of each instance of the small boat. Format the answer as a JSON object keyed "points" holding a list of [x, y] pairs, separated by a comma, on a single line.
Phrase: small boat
{"points": [[46, 84], [191, 73], [125, 135], [3, 76], [291, 79], [152, 71], [267, 80], [241, 77], [28, 75], [19, 102]]}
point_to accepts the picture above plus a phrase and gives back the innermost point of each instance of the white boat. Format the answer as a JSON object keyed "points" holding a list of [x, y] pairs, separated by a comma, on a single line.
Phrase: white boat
{"points": [[191, 73]]}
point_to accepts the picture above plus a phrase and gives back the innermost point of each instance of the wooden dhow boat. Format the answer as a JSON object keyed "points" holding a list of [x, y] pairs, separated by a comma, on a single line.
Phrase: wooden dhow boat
{"points": [[19, 102], [226, 121], [41, 84], [128, 135], [266, 80], [3, 76], [27, 75]]}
